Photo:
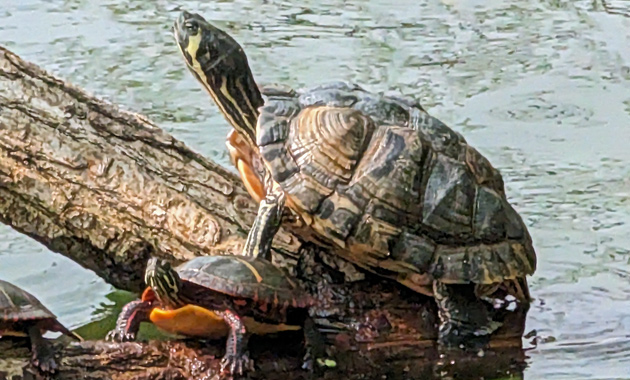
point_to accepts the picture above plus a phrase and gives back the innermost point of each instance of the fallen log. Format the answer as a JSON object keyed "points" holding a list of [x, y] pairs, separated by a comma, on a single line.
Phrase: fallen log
{"points": [[98, 360], [108, 188], [100, 185]]}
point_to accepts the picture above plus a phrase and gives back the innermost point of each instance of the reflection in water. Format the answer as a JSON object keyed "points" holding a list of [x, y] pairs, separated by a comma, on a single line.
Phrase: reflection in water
{"points": [[539, 87]]}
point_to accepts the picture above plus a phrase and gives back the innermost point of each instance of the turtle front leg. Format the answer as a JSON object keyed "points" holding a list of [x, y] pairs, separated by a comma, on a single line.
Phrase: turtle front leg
{"points": [[43, 356], [128, 322], [266, 224], [235, 360], [465, 320]]}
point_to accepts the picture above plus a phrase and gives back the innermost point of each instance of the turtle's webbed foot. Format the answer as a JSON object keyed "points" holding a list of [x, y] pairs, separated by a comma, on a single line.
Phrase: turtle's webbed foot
{"points": [[236, 364]]}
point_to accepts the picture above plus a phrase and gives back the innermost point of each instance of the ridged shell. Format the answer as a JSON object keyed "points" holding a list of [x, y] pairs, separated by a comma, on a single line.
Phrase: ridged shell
{"points": [[394, 189]]}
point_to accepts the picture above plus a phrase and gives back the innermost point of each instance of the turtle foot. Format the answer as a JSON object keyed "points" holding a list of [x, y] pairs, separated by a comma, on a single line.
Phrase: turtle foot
{"points": [[120, 336], [308, 363], [44, 360], [235, 364]]}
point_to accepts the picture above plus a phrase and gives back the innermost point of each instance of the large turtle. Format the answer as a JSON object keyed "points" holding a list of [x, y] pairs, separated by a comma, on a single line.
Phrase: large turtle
{"points": [[217, 296], [22, 315], [375, 178]]}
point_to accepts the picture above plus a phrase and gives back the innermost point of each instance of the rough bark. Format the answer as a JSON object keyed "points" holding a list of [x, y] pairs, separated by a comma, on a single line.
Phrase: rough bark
{"points": [[107, 188]]}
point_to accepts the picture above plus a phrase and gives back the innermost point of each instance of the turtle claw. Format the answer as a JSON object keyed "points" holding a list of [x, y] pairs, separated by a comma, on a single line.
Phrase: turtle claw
{"points": [[120, 336], [308, 364], [45, 365], [43, 359], [236, 364]]}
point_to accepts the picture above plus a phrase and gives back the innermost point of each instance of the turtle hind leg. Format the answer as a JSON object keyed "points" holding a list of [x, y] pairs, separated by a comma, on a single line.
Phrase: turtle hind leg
{"points": [[236, 360], [58, 327], [465, 320], [43, 355], [266, 224]]}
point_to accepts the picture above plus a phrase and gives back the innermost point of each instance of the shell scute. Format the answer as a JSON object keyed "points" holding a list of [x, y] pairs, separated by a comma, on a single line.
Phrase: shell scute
{"points": [[329, 141], [489, 223], [391, 173], [374, 236], [449, 198], [484, 173], [271, 130], [387, 113], [414, 249], [278, 157], [442, 139]]}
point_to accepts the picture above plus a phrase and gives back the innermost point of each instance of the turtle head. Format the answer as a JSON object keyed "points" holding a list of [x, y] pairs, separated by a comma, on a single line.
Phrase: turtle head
{"points": [[164, 281], [220, 64]]}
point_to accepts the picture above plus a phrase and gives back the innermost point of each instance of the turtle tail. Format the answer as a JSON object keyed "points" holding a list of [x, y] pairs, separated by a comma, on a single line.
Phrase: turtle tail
{"points": [[62, 329]]}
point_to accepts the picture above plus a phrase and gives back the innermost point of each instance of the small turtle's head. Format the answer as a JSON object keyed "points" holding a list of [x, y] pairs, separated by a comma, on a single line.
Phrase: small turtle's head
{"points": [[220, 64], [164, 281]]}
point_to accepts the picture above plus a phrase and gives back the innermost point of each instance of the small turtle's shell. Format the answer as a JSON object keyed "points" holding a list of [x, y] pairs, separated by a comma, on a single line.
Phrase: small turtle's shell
{"points": [[18, 305], [394, 189], [257, 280]]}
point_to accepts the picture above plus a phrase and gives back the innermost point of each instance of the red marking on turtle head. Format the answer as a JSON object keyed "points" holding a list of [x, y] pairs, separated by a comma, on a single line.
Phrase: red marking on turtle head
{"points": [[148, 295]]}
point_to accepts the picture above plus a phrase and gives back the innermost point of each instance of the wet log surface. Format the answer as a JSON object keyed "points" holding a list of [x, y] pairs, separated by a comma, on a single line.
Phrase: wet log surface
{"points": [[177, 360], [108, 188]]}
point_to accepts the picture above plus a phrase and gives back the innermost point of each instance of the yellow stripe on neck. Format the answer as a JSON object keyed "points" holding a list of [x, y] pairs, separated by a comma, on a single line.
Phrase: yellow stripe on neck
{"points": [[191, 49], [229, 97]]}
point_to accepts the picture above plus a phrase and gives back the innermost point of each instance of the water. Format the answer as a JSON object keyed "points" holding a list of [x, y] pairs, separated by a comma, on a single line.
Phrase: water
{"points": [[541, 88]]}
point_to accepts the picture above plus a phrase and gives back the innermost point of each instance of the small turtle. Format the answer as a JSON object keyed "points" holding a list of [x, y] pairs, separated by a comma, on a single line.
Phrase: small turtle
{"points": [[217, 296], [22, 315], [374, 178]]}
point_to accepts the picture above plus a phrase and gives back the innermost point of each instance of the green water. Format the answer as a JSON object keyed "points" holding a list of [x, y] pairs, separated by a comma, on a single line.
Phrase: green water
{"points": [[541, 88]]}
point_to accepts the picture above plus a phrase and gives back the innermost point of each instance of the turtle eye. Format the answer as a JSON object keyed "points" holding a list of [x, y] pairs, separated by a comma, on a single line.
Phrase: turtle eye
{"points": [[191, 26]]}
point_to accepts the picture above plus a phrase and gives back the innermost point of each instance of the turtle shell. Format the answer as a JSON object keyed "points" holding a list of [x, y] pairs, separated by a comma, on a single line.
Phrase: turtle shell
{"points": [[237, 276], [392, 188], [18, 305]]}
